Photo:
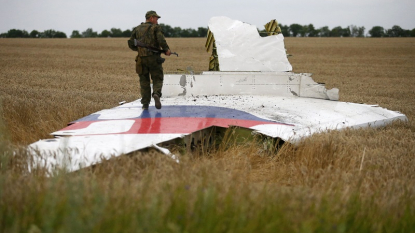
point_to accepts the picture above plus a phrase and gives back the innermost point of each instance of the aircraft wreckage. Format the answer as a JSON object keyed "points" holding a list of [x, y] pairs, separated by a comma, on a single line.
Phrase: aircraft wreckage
{"points": [[251, 87]]}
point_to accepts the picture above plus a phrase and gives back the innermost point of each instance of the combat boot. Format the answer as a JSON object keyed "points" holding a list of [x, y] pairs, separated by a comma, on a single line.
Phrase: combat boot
{"points": [[157, 101]]}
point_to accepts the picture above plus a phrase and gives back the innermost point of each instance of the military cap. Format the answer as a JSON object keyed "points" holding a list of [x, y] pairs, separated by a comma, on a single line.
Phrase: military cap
{"points": [[152, 13]]}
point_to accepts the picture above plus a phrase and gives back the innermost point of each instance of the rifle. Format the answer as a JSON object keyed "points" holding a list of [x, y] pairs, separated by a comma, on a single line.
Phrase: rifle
{"points": [[151, 48]]}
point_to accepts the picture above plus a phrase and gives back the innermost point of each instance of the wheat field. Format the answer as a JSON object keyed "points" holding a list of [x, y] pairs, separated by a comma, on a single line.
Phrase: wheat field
{"points": [[340, 181]]}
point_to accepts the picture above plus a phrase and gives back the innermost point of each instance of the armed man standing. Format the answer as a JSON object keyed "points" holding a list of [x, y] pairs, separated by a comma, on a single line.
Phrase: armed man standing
{"points": [[147, 39]]}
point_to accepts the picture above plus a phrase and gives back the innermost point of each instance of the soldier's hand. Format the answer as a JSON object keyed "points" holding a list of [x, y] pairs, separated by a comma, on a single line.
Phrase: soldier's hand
{"points": [[168, 52]]}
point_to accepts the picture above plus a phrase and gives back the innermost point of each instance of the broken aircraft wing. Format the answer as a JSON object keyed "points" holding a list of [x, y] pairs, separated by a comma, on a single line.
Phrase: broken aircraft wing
{"points": [[254, 89]]}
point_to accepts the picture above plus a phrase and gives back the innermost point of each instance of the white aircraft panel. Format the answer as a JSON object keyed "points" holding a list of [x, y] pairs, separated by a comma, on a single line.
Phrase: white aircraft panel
{"points": [[246, 83], [75, 152], [241, 48]]}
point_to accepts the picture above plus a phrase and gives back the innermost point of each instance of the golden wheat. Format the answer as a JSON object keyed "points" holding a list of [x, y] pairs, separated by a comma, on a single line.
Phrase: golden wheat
{"points": [[46, 83]]}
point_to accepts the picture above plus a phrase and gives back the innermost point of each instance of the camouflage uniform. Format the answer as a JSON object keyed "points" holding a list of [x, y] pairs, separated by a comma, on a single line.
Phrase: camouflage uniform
{"points": [[149, 63]]}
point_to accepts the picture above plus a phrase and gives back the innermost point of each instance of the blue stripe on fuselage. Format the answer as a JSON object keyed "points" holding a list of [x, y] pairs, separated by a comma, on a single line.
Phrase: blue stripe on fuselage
{"points": [[188, 111]]}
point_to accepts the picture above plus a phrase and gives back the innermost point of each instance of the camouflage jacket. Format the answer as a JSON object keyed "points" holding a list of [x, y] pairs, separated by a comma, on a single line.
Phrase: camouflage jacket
{"points": [[150, 34]]}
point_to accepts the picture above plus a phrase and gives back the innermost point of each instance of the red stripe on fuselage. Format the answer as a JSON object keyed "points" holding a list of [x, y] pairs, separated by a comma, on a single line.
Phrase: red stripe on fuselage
{"points": [[175, 125]]}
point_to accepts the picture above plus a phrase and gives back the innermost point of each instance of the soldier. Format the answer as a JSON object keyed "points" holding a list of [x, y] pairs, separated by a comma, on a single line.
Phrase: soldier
{"points": [[149, 63]]}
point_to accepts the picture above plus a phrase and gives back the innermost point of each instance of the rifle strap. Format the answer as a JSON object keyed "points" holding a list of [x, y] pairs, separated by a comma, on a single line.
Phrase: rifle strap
{"points": [[145, 33]]}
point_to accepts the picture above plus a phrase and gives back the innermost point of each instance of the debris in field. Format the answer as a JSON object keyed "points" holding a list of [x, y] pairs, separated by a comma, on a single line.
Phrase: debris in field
{"points": [[254, 90]]}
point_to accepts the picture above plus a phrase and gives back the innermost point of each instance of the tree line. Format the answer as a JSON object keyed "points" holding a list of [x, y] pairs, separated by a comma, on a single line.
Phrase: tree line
{"points": [[113, 32], [297, 30], [293, 30]]}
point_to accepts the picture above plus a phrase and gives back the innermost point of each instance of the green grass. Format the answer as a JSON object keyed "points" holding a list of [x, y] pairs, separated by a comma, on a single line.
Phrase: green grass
{"points": [[148, 192]]}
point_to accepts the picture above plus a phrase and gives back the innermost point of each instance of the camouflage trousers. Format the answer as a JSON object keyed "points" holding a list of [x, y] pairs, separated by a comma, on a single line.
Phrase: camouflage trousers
{"points": [[146, 67]]}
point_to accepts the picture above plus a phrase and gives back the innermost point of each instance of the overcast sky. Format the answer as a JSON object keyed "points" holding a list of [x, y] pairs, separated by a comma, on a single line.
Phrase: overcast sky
{"points": [[80, 15]]}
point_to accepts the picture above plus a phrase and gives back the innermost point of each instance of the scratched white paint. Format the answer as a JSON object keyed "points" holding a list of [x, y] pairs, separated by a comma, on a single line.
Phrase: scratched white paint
{"points": [[247, 83], [102, 127], [308, 115]]}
